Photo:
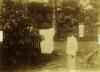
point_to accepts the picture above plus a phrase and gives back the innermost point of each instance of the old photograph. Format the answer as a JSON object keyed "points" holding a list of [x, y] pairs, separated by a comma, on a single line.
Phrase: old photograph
{"points": [[49, 35]]}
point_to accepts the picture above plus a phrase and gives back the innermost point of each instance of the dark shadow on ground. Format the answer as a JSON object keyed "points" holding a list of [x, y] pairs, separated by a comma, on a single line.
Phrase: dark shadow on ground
{"points": [[11, 64]]}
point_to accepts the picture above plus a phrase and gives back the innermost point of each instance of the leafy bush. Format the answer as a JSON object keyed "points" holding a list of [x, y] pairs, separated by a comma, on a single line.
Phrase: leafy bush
{"points": [[20, 32], [72, 13]]}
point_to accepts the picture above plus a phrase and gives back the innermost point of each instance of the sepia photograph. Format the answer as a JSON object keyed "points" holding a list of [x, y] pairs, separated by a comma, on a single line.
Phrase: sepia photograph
{"points": [[49, 35]]}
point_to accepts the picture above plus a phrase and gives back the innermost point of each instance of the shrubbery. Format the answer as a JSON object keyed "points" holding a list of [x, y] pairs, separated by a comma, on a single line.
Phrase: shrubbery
{"points": [[21, 35], [71, 14]]}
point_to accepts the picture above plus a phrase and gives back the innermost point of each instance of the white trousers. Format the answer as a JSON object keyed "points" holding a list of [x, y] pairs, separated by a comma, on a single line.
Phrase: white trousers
{"points": [[71, 63]]}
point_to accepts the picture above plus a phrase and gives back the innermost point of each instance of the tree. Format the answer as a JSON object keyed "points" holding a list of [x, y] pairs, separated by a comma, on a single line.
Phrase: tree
{"points": [[91, 18], [71, 14], [41, 13], [67, 17], [20, 31]]}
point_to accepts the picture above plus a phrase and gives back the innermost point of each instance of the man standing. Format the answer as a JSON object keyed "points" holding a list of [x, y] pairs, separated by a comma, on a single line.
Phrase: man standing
{"points": [[72, 46]]}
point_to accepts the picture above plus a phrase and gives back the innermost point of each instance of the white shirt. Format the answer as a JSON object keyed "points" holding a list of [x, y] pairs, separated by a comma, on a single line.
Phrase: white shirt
{"points": [[72, 45]]}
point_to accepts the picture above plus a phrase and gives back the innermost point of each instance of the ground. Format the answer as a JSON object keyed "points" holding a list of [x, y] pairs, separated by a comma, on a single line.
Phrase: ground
{"points": [[56, 62]]}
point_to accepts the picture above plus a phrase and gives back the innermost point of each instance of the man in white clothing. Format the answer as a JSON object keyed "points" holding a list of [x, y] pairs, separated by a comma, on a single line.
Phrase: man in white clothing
{"points": [[72, 46]]}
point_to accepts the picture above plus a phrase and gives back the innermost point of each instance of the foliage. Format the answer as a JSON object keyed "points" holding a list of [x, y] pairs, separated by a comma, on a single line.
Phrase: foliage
{"points": [[72, 13], [67, 18], [41, 13], [20, 31], [91, 18]]}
